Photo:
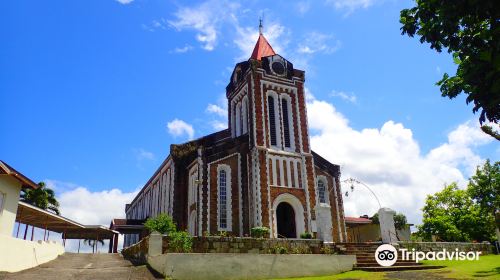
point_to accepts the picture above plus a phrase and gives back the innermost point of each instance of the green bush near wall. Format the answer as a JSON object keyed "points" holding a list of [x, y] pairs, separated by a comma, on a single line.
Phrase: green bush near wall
{"points": [[259, 232]]}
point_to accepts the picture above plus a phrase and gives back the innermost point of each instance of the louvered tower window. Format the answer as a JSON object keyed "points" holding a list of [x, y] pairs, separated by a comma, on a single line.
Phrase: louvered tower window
{"points": [[286, 122], [272, 120]]}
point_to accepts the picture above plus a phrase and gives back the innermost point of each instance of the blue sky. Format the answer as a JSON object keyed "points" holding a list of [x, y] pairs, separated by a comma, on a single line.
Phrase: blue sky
{"points": [[88, 90]]}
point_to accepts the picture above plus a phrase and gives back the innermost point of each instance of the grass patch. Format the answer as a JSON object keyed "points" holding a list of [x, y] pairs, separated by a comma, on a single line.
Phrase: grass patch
{"points": [[354, 274], [487, 267]]}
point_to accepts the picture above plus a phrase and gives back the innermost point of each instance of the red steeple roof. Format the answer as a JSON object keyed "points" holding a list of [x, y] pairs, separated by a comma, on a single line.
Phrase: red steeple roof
{"points": [[262, 48]]}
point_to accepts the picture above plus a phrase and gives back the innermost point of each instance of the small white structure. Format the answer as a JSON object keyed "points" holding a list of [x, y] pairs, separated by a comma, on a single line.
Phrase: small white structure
{"points": [[17, 254], [11, 183], [387, 228], [324, 222]]}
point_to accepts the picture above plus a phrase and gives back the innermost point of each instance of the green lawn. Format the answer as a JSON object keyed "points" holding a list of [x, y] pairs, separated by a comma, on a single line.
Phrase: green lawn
{"points": [[355, 274], [487, 267]]}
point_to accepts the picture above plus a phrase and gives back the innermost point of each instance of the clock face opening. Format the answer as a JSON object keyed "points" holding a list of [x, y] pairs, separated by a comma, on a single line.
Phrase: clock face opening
{"points": [[278, 68]]}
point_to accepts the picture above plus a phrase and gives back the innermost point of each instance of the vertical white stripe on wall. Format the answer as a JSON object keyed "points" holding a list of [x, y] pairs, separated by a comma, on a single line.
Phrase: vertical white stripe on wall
{"points": [[289, 174], [282, 174]]}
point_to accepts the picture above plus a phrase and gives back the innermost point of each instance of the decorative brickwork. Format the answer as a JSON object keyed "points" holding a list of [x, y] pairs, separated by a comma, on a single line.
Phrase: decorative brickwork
{"points": [[259, 172]]}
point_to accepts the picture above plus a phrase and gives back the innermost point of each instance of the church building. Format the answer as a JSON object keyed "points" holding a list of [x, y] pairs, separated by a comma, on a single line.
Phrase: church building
{"points": [[260, 171]]}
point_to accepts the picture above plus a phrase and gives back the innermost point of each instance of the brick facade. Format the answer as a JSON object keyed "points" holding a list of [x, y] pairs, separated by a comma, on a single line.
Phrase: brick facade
{"points": [[260, 172]]}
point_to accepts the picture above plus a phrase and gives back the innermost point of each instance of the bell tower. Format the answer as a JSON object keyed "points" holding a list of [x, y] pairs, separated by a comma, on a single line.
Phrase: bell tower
{"points": [[266, 105]]}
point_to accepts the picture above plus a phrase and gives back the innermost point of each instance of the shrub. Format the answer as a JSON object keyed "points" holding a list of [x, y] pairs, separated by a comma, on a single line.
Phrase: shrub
{"points": [[180, 242], [278, 249], [327, 250], [259, 232], [306, 235], [301, 250], [162, 223]]}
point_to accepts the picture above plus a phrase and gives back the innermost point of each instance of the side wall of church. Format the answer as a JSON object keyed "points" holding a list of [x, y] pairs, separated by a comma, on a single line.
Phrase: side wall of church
{"points": [[335, 201], [156, 197]]}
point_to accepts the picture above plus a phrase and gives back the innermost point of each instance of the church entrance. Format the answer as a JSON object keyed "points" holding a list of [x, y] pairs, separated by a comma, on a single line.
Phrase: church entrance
{"points": [[285, 217]]}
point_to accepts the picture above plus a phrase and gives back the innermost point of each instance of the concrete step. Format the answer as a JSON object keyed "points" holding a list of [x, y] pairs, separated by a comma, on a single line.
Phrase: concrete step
{"points": [[375, 264], [398, 268]]}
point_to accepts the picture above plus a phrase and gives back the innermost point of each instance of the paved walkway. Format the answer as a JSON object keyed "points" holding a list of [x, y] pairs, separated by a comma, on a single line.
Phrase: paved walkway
{"points": [[83, 267]]}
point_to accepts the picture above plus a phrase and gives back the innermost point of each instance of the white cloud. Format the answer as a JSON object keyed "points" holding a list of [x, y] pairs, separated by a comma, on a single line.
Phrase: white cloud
{"points": [[389, 160], [87, 207], [184, 49], [218, 110], [94, 208], [124, 2], [350, 5], [142, 154], [218, 125], [179, 127], [205, 19], [155, 25], [347, 96], [303, 7], [317, 42]]}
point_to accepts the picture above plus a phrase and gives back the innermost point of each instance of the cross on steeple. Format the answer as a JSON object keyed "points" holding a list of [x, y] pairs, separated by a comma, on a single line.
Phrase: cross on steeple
{"points": [[260, 26]]}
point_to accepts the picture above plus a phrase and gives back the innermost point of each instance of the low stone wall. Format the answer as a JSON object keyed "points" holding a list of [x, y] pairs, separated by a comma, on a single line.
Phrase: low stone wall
{"points": [[214, 244], [485, 248], [247, 266], [137, 252], [17, 254]]}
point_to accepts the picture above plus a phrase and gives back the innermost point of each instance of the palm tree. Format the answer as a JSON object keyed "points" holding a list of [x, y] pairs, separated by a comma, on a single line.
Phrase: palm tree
{"points": [[43, 197], [93, 243]]}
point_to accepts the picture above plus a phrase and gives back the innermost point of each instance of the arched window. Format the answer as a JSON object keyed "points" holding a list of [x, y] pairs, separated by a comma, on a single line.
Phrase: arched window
{"points": [[244, 113], [224, 197], [272, 120], [238, 119], [321, 191]]}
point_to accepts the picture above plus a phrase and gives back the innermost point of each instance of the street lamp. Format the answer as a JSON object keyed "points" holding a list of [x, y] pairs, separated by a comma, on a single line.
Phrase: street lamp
{"points": [[353, 181]]}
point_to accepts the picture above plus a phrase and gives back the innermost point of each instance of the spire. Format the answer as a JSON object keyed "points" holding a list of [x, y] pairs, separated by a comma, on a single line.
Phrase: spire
{"points": [[260, 26], [262, 47]]}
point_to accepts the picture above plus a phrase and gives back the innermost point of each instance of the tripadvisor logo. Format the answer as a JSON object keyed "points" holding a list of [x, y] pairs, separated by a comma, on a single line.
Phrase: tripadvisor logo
{"points": [[387, 255]]}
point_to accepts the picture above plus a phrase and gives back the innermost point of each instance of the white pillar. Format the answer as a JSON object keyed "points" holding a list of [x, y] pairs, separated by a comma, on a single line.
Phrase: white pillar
{"points": [[324, 222], [155, 244], [387, 228]]}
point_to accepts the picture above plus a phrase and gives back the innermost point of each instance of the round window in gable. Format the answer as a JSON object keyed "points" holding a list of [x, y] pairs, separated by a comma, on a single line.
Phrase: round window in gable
{"points": [[278, 68]]}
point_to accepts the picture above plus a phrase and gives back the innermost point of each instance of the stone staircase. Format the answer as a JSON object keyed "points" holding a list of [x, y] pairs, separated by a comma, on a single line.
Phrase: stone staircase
{"points": [[365, 258]]}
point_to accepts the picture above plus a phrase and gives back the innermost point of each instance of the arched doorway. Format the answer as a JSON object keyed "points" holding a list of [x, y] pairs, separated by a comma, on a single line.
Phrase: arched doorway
{"points": [[285, 216]]}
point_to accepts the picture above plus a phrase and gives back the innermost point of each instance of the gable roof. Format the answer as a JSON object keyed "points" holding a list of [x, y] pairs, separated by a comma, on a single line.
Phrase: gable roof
{"points": [[6, 169], [262, 48]]}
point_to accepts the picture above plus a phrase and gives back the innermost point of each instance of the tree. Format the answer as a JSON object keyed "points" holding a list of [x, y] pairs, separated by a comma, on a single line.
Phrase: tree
{"points": [[162, 223], [452, 215], [470, 30], [41, 197], [399, 220], [94, 243], [484, 188]]}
